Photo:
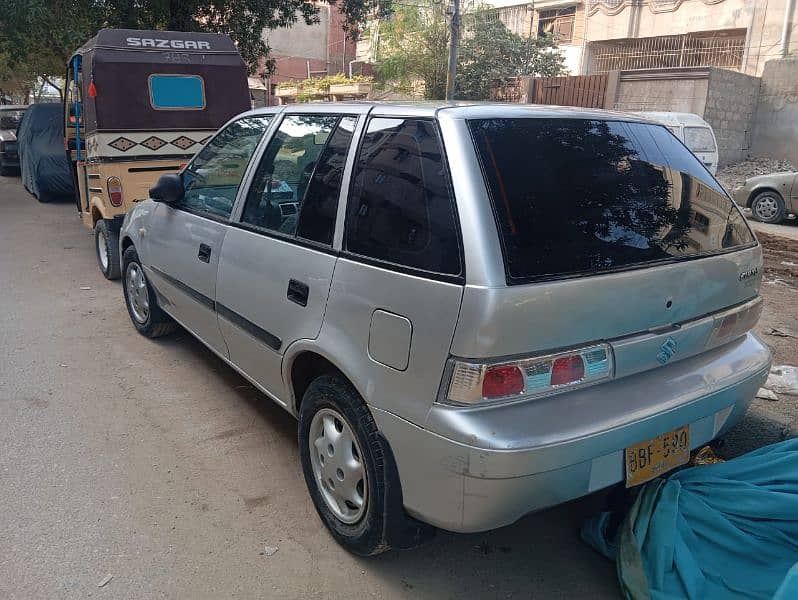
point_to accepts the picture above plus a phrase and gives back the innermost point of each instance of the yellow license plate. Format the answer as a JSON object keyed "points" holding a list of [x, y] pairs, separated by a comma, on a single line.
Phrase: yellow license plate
{"points": [[647, 460]]}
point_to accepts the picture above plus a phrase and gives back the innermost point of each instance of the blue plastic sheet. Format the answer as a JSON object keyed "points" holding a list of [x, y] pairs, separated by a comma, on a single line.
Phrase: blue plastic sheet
{"points": [[727, 530]]}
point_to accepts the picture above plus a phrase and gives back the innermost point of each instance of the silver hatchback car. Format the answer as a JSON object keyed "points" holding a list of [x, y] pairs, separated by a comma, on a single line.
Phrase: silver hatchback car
{"points": [[475, 311]]}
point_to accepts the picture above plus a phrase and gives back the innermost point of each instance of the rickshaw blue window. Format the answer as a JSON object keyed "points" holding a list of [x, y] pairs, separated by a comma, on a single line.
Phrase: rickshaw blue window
{"points": [[177, 92]]}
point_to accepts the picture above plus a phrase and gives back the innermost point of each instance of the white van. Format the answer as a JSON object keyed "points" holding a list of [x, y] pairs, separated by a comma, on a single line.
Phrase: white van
{"points": [[694, 132]]}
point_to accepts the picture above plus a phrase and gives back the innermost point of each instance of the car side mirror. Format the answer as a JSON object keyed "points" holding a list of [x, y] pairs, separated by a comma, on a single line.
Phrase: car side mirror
{"points": [[169, 189]]}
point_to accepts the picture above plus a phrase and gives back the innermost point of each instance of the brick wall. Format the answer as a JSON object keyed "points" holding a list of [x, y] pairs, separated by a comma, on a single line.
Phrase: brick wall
{"points": [[730, 109]]}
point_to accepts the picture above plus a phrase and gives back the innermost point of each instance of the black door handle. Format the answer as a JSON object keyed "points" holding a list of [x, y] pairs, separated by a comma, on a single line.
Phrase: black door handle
{"points": [[298, 292], [204, 253]]}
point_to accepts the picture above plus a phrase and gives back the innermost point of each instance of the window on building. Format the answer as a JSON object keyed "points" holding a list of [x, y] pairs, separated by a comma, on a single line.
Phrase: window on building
{"points": [[558, 23]]}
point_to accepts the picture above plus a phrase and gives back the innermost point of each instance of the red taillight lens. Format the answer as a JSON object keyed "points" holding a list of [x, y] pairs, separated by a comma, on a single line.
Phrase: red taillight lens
{"points": [[567, 369], [115, 191], [503, 380]]}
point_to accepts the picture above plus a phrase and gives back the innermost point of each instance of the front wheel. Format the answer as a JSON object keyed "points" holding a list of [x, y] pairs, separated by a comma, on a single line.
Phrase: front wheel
{"points": [[350, 471], [768, 207], [106, 243]]}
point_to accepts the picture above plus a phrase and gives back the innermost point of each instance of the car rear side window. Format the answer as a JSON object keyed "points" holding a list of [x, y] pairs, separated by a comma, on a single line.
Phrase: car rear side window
{"points": [[400, 208], [583, 196]]}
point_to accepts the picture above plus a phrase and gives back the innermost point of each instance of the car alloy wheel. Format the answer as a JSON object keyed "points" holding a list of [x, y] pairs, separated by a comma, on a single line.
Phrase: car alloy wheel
{"points": [[766, 208]]}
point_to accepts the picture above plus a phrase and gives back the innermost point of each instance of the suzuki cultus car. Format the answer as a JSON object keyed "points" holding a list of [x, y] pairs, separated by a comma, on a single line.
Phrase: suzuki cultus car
{"points": [[475, 312]]}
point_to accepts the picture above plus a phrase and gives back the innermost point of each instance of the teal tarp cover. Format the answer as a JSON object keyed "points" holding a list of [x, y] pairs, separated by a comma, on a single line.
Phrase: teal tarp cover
{"points": [[726, 530]]}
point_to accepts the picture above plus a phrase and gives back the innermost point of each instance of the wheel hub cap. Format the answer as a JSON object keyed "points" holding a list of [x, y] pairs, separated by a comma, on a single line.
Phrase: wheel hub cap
{"points": [[137, 293], [338, 465], [767, 208]]}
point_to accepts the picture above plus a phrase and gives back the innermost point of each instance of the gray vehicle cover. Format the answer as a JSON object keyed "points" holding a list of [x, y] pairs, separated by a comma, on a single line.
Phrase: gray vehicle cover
{"points": [[44, 165]]}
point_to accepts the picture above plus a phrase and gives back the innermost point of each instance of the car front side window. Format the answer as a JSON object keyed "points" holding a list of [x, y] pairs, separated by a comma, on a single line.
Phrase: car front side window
{"points": [[211, 180]]}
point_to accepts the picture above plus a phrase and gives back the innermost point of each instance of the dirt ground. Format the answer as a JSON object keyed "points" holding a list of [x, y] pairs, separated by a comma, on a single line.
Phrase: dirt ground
{"points": [[770, 421]]}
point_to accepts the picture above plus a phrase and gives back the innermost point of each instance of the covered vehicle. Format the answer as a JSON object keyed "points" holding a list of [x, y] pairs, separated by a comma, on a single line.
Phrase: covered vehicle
{"points": [[140, 104], [770, 197], [10, 118], [45, 169]]}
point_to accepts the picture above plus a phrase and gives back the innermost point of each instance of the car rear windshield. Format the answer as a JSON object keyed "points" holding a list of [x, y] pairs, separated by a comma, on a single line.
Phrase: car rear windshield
{"points": [[699, 139], [583, 196]]}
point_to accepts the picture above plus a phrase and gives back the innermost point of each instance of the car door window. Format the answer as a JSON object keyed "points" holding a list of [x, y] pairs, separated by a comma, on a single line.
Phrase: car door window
{"points": [[296, 186], [211, 180], [400, 209]]}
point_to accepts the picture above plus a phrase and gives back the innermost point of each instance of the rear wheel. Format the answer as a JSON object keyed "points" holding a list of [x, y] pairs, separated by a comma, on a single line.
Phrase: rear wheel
{"points": [[141, 301], [106, 243], [768, 207], [350, 471]]}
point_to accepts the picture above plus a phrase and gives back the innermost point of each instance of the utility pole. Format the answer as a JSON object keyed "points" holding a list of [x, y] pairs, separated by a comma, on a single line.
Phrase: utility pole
{"points": [[454, 48]]}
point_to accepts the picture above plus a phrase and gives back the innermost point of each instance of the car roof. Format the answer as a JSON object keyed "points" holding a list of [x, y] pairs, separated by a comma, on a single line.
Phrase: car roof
{"points": [[462, 110], [13, 106]]}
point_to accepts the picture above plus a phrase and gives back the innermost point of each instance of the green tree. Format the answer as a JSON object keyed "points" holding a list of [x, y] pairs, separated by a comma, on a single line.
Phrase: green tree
{"points": [[38, 36], [413, 45], [490, 53]]}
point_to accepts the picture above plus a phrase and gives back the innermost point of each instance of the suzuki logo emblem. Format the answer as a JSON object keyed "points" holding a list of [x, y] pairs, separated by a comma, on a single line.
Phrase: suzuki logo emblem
{"points": [[667, 350]]}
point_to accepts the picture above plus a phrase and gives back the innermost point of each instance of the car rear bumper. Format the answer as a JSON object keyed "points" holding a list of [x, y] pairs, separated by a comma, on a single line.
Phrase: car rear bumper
{"points": [[484, 469]]}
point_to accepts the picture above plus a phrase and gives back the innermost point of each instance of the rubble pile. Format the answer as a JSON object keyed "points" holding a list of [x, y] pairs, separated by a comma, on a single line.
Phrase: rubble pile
{"points": [[736, 174]]}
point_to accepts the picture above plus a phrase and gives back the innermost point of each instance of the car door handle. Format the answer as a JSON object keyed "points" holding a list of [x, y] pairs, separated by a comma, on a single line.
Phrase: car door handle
{"points": [[204, 253], [298, 292]]}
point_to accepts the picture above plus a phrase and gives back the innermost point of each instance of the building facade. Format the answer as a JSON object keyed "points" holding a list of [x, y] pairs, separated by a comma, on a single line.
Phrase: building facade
{"points": [[598, 36], [302, 51]]}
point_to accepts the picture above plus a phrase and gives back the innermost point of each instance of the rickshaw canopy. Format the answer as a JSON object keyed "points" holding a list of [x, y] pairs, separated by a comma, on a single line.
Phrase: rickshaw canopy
{"points": [[133, 80]]}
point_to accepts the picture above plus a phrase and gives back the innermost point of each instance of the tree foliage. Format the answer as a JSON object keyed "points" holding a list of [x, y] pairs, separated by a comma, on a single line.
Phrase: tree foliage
{"points": [[413, 45], [38, 36], [490, 53]]}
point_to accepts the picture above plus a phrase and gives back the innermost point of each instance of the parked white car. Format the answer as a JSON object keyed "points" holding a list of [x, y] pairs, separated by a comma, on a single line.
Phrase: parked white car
{"points": [[694, 132]]}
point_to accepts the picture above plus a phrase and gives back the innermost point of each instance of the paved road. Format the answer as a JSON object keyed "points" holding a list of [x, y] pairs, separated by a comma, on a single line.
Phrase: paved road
{"points": [[154, 462]]}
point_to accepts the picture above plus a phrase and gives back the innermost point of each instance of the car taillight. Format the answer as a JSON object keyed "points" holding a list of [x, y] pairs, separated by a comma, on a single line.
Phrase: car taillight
{"points": [[474, 383], [115, 191], [502, 380], [735, 323], [567, 369]]}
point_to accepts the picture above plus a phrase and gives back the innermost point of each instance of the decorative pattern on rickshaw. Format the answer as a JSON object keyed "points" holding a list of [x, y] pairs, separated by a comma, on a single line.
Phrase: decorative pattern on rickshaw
{"points": [[122, 144], [154, 143], [183, 142]]}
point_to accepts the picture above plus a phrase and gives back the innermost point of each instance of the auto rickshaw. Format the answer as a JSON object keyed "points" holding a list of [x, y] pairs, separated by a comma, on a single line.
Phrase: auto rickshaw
{"points": [[139, 104]]}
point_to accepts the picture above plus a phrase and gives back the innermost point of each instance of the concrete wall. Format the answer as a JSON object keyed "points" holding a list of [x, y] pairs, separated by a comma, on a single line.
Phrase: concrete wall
{"points": [[730, 107], [761, 19], [301, 40], [685, 91], [776, 120]]}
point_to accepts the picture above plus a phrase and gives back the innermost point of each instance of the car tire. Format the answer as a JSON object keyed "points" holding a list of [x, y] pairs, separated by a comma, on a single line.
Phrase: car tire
{"points": [[142, 303], [7, 171], [106, 247], [381, 523], [768, 207]]}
